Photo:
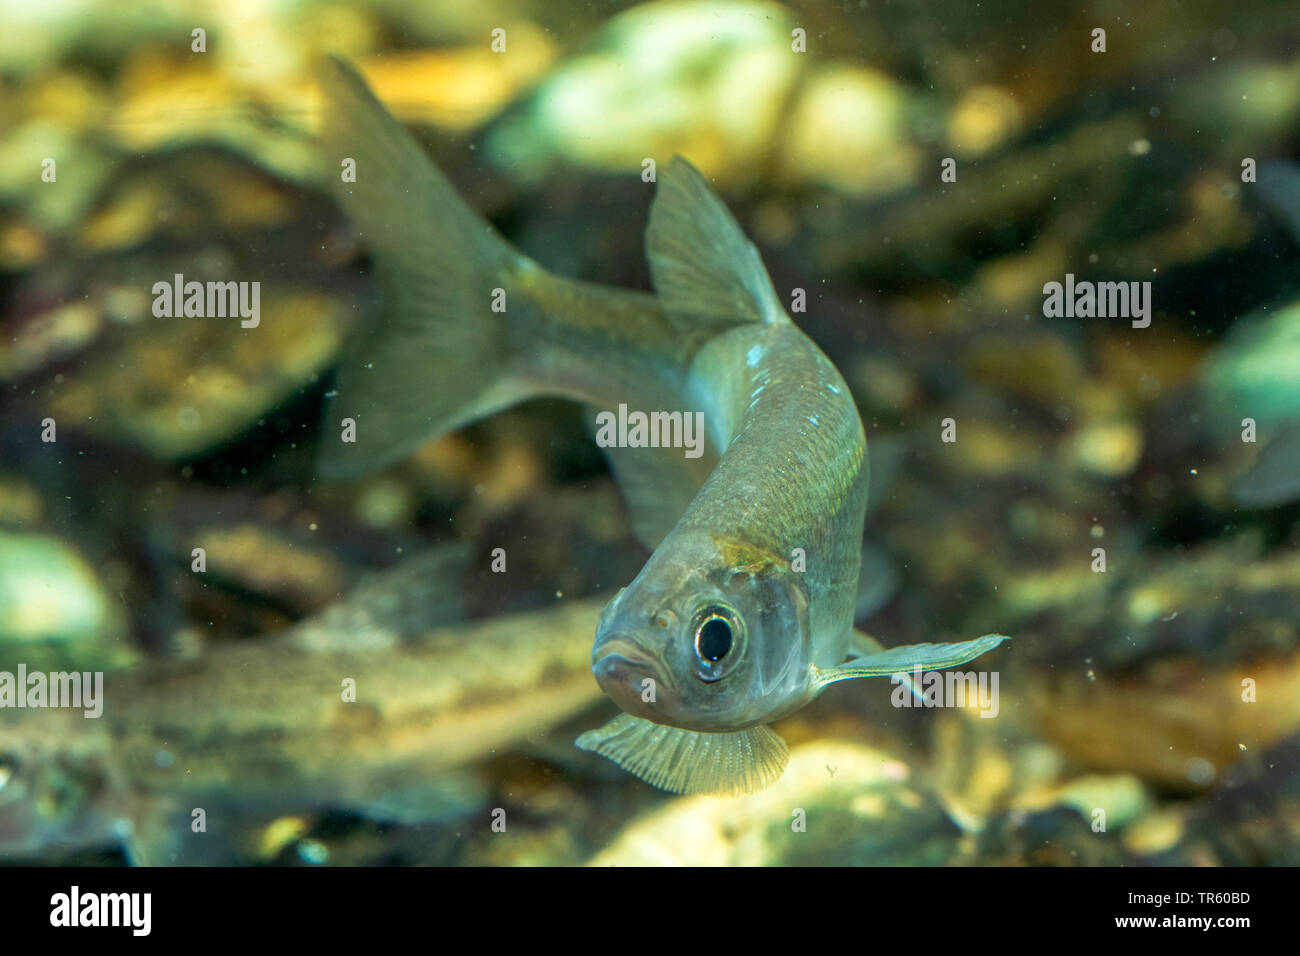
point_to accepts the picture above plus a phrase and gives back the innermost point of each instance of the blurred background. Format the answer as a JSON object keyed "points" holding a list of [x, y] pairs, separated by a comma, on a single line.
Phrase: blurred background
{"points": [[1164, 691]]}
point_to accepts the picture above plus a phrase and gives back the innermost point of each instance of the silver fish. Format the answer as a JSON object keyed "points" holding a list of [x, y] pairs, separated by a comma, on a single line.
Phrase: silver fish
{"points": [[263, 728], [744, 611]]}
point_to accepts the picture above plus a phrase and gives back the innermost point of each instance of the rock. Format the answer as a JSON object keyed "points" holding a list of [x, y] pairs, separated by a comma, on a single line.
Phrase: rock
{"points": [[53, 609], [47, 338], [1106, 449], [860, 807], [707, 80], [179, 387], [1180, 726], [1250, 818], [1055, 837], [849, 129]]}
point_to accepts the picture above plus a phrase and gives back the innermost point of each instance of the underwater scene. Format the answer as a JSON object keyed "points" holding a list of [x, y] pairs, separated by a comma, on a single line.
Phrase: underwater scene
{"points": [[698, 432]]}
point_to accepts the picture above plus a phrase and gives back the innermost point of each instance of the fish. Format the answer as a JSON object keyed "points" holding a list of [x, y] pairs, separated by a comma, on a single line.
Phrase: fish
{"points": [[263, 728], [744, 611], [1251, 374]]}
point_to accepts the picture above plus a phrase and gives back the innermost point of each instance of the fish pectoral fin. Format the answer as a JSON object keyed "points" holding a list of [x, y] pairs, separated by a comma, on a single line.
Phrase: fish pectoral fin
{"points": [[703, 267], [862, 644], [687, 761], [900, 660]]}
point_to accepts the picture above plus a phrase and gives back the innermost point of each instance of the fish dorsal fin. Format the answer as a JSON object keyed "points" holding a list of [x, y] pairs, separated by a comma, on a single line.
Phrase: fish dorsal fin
{"points": [[686, 761], [404, 602], [702, 264], [900, 660]]}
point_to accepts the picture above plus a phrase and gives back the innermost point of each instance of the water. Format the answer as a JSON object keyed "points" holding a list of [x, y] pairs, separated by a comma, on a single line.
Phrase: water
{"points": [[1072, 477]]}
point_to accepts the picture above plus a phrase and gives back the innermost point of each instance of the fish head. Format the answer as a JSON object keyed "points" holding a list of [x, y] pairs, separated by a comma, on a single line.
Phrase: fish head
{"points": [[56, 788], [710, 636]]}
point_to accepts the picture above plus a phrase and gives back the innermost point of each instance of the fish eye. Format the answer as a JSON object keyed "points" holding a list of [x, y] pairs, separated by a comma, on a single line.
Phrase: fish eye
{"points": [[718, 631], [713, 639]]}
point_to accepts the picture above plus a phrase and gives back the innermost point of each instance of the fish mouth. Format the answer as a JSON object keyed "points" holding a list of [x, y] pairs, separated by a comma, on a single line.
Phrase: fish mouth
{"points": [[622, 670]]}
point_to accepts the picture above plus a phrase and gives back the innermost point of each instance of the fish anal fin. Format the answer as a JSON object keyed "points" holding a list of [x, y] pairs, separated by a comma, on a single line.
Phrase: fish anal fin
{"points": [[862, 644], [687, 761], [878, 579], [658, 484]]}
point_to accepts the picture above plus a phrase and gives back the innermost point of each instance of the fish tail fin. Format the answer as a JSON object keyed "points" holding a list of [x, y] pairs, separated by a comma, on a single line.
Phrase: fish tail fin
{"points": [[439, 356]]}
